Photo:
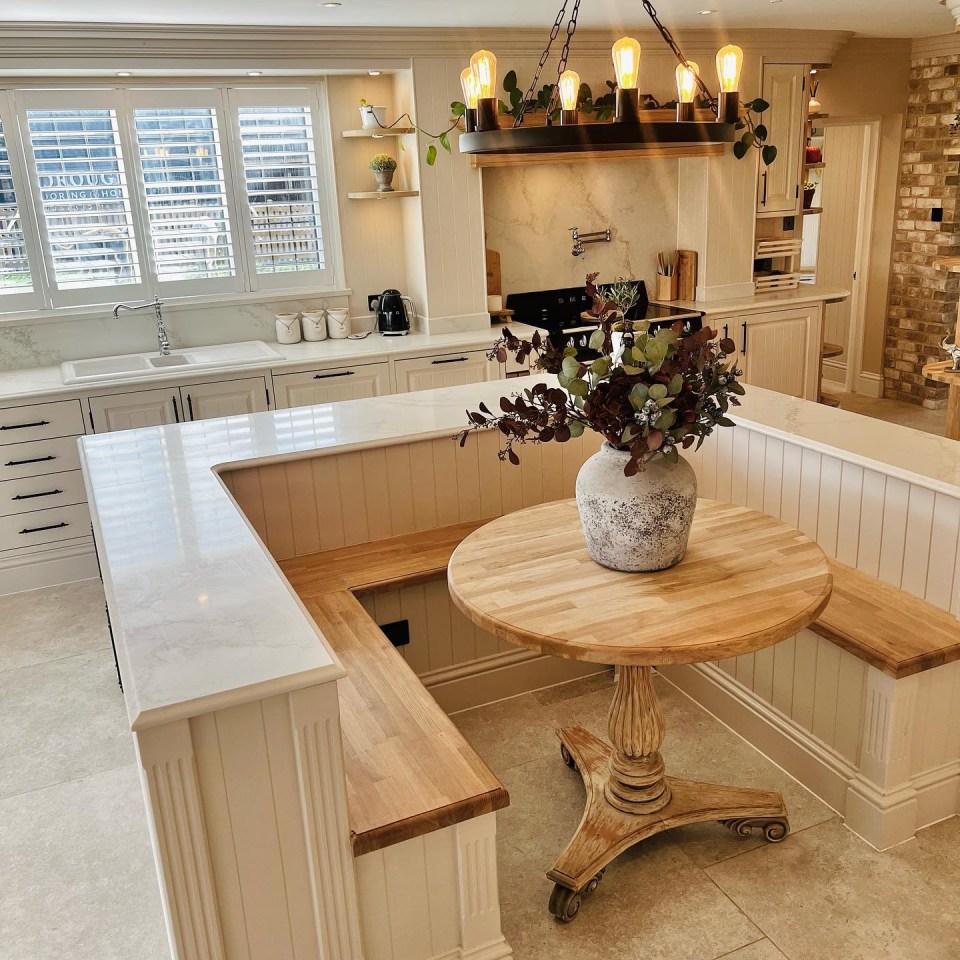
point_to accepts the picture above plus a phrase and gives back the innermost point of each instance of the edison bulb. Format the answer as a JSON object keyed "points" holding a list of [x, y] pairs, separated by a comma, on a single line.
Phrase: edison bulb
{"points": [[626, 63], [569, 84], [729, 65], [471, 89], [687, 81], [484, 65]]}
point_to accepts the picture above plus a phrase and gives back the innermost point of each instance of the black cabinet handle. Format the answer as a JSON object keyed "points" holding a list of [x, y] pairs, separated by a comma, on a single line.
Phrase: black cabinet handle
{"points": [[176, 409], [451, 360], [33, 496], [743, 349], [327, 376], [25, 426], [189, 406], [20, 463], [763, 200], [726, 330], [51, 526]]}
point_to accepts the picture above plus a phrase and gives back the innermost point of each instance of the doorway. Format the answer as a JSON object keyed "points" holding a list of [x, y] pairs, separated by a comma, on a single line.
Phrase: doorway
{"points": [[836, 247]]}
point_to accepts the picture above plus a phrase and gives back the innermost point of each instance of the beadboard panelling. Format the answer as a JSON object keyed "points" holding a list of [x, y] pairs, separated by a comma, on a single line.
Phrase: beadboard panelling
{"points": [[321, 503]]}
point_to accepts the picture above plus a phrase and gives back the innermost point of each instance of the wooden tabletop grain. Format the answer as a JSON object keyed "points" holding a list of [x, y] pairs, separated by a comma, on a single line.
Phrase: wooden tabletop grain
{"points": [[746, 582]]}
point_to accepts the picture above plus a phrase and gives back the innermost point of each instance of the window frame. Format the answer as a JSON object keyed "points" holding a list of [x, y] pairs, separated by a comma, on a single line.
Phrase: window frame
{"points": [[48, 301]]}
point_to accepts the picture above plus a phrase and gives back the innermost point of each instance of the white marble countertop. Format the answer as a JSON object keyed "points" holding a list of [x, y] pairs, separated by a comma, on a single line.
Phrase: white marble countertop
{"points": [[804, 294], [47, 383], [203, 618]]}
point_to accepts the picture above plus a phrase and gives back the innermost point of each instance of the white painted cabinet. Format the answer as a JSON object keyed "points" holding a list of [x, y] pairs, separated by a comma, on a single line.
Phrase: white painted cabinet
{"points": [[779, 350], [447, 370], [175, 404], [778, 187], [328, 386]]}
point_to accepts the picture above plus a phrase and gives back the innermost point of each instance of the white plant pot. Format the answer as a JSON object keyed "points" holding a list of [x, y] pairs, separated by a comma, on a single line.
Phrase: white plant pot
{"points": [[288, 327], [638, 523], [338, 324], [372, 117], [314, 326]]}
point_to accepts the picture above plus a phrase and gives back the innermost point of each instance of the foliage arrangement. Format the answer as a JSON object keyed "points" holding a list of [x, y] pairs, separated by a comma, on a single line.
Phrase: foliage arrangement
{"points": [[648, 392], [755, 132], [442, 138], [382, 161]]}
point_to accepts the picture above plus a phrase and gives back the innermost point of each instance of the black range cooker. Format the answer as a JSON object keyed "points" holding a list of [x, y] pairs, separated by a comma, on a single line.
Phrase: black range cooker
{"points": [[559, 313]]}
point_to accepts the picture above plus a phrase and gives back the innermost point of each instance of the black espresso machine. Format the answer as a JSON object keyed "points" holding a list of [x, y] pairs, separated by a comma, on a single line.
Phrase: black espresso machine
{"points": [[394, 313]]}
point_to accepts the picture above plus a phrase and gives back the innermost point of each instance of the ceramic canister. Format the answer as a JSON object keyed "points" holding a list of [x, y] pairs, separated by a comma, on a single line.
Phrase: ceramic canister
{"points": [[288, 327], [314, 325], [338, 323]]}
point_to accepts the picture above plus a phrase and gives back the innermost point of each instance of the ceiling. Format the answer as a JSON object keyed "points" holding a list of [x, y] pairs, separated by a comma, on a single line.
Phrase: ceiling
{"points": [[873, 18]]}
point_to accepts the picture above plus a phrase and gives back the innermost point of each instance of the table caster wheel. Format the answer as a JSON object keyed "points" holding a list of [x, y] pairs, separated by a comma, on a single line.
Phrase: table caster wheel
{"points": [[594, 882], [564, 903], [567, 757]]}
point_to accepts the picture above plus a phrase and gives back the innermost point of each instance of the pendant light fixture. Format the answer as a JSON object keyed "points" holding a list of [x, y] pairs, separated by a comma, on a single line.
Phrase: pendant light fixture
{"points": [[471, 94], [628, 130]]}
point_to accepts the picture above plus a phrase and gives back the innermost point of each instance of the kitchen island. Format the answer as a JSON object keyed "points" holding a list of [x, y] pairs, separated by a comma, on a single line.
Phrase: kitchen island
{"points": [[231, 686]]}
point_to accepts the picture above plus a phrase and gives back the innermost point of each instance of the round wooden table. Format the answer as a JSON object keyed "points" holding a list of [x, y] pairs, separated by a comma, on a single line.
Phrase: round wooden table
{"points": [[746, 582]]}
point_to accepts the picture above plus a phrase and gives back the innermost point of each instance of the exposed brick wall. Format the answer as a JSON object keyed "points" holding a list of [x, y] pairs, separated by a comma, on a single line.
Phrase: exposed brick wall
{"points": [[923, 299]]}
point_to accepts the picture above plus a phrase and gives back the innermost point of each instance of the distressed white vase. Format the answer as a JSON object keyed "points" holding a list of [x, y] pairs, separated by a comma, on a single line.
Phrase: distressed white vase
{"points": [[638, 523]]}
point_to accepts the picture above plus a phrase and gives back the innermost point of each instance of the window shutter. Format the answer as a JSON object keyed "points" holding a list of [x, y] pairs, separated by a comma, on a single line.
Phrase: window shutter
{"points": [[186, 196], [14, 268], [280, 170], [84, 197]]}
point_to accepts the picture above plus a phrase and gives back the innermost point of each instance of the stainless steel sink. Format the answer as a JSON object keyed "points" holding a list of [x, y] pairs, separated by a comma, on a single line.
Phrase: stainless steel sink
{"points": [[134, 365]]}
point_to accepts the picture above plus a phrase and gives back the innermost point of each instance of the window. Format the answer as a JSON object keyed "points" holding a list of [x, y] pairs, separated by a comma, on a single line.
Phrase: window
{"points": [[163, 191]]}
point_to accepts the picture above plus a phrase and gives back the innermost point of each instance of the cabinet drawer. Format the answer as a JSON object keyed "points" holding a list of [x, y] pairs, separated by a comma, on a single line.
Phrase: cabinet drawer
{"points": [[38, 457], [64, 418], [44, 526], [41, 493]]}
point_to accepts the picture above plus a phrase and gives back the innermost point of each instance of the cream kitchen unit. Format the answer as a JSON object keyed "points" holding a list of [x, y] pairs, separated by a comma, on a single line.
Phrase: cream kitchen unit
{"points": [[778, 185], [330, 385]]}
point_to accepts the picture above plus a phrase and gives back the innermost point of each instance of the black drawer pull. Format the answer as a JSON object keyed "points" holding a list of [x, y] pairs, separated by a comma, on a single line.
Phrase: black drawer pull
{"points": [[326, 376], [20, 463], [33, 496], [25, 426], [452, 360], [52, 526]]}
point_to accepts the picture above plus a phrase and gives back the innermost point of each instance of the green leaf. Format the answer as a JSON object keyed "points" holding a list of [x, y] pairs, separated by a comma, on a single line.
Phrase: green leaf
{"points": [[666, 419], [748, 139], [457, 109], [759, 105], [444, 142], [672, 455], [510, 81], [639, 394], [431, 155], [596, 340], [761, 131], [657, 391], [515, 96], [769, 154], [571, 366], [576, 428], [739, 150], [600, 367], [578, 387], [676, 384]]}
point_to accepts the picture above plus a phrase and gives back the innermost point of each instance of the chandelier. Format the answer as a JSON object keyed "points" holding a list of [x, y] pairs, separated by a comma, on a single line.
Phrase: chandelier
{"points": [[627, 130]]}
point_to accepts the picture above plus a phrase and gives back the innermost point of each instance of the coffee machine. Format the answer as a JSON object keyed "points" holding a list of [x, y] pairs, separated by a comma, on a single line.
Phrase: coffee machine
{"points": [[394, 313]]}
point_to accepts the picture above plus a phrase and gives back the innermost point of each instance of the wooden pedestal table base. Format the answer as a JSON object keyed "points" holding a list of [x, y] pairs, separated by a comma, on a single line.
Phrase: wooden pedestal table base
{"points": [[746, 582], [630, 799]]}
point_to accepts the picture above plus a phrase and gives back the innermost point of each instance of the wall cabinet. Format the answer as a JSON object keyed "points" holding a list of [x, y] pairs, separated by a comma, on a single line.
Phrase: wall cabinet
{"points": [[330, 385], [778, 187], [173, 404], [447, 370]]}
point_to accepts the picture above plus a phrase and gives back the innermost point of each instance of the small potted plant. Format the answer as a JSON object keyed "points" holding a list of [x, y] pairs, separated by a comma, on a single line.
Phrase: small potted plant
{"points": [[371, 117], [809, 189], [383, 167], [649, 393]]}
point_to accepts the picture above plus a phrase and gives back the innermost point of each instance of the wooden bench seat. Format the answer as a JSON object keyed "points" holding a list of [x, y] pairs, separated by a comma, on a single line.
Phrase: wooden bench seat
{"points": [[409, 770]]}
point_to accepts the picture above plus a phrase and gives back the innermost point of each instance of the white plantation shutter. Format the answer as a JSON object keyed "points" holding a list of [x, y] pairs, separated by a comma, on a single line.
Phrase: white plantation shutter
{"points": [[278, 155], [84, 199], [181, 162], [14, 267]]}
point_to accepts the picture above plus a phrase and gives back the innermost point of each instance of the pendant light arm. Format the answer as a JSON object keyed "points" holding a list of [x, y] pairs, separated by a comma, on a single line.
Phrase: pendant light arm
{"points": [[562, 62], [554, 30]]}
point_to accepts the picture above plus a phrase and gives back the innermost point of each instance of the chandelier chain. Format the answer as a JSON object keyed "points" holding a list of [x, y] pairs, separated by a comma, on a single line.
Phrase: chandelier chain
{"points": [[543, 59], [564, 53], [673, 45]]}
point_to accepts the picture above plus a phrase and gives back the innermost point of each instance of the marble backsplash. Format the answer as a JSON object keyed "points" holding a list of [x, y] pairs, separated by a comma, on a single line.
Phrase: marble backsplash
{"points": [[528, 212]]}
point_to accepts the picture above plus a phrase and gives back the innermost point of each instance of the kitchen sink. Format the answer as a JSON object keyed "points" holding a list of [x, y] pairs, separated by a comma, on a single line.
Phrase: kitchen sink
{"points": [[133, 365]]}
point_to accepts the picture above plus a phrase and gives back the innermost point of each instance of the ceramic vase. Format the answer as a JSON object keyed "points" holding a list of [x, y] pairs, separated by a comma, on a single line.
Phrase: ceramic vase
{"points": [[384, 180], [338, 323], [314, 325], [638, 523], [288, 327], [372, 117]]}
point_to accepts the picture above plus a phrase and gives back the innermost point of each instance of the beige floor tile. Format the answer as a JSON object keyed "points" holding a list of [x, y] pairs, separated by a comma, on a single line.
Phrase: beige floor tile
{"points": [[61, 720], [826, 893], [52, 623], [761, 950], [576, 688], [893, 411], [76, 873]]}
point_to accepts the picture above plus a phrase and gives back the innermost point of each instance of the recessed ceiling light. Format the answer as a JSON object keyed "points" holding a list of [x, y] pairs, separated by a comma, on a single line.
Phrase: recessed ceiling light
{"points": [[254, 73], [374, 73], [706, 13], [124, 73], [331, 6]]}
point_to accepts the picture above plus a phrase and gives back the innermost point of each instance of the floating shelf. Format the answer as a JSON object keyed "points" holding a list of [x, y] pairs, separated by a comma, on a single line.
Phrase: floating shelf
{"points": [[952, 152], [815, 166], [654, 150], [812, 211], [383, 194], [778, 247], [951, 264], [376, 133]]}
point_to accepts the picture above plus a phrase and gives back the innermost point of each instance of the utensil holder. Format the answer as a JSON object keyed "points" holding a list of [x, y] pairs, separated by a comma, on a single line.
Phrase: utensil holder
{"points": [[314, 325], [338, 324], [288, 327], [667, 287]]}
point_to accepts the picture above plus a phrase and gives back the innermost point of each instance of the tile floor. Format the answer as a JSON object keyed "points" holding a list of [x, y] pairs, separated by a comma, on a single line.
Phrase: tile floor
{"points": [[894, 411], [77, 878]]}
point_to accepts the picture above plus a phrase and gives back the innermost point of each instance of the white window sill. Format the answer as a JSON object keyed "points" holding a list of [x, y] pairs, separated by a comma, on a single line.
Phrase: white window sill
{"points": [[304, 295]]}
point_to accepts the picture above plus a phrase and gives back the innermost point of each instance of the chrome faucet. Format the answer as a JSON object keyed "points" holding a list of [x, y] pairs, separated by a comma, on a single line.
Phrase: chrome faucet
{"points": [[579, 239], [156, 303]]}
